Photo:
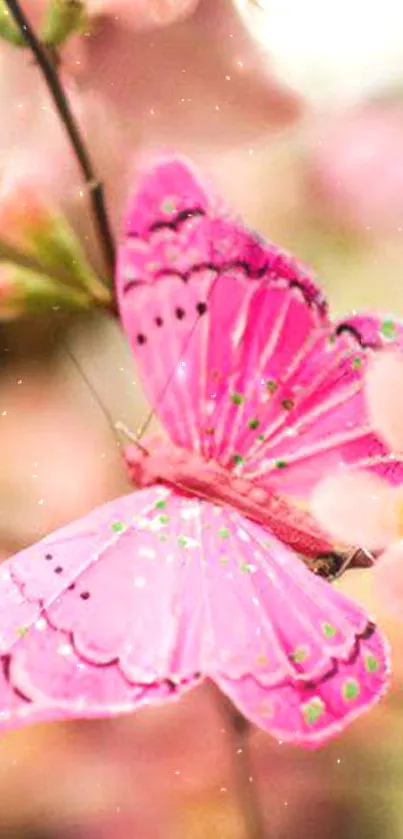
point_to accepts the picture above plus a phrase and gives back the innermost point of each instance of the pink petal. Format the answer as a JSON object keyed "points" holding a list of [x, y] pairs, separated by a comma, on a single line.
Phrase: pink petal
{"points": [[389, 578], [357, 508], [385, 397], [144, 13], [359, 146]]}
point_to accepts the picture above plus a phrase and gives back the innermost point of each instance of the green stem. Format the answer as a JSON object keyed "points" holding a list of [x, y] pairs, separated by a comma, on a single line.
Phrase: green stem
{"points": [[51, 76]]}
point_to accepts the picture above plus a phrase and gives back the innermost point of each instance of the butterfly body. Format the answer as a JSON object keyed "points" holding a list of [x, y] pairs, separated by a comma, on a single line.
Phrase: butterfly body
{"points": [[192, 474], [196, 575]]}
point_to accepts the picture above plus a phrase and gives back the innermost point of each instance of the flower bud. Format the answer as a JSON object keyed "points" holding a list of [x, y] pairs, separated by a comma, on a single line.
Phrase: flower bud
{"points": [[30, 224], [24, 291], [9, 30], [62, 19]]}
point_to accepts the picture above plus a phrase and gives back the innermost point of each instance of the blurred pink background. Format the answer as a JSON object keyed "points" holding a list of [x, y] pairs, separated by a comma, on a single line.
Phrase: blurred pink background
{"points": [[322, 178]]}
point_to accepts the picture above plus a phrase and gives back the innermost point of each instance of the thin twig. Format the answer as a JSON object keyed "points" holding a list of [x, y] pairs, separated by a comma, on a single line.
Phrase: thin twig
{"points": [[51, 76], [247, 798]]}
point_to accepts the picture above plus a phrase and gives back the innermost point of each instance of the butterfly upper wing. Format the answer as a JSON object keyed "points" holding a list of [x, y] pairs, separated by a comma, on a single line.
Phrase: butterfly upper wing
{"points": [[329, 426], [156, 590], [234, 343], [92, 617], [374, 331]]}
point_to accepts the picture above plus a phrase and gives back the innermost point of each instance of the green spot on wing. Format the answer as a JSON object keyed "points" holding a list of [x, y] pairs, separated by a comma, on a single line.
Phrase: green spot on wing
{"points": [[237, 398], [118, 526], [388, 329], [280, 464], [182, 541], [287, 404], [329, 630], [351, 690], [160, 505], [313, 710], [371, 663], [271, 385], [22, 631], [238, 459], [357, 362], [246, 568], [164, 519], [223, 532], [299, 655], [168, 205], [253, 423]]}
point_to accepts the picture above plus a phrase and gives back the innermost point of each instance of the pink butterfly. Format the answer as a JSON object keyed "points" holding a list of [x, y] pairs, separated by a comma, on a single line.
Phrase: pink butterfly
{"points": [[195, 576]]}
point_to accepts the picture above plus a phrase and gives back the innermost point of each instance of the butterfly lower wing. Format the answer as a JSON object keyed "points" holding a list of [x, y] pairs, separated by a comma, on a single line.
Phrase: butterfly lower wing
{"points": [[92, 619], [156, 590], [298, 658]]}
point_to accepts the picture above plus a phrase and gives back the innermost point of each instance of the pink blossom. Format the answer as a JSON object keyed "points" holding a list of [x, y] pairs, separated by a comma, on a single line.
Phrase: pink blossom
{"points": [[144, 13], [139, 13], [356, 508], [360, 508], [385, 397], [356, 167]]}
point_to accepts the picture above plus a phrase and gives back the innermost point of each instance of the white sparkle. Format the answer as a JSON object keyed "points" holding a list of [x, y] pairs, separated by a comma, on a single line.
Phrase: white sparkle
{"points": [[148, 553], [140, 582], [191, 543], [41, 624], [181, 370], [210, 407], [192, 512], [65, 649]]}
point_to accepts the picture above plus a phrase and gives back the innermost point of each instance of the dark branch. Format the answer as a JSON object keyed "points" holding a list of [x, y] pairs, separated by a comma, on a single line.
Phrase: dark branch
{"points": [[238, 730], [51, 76]]}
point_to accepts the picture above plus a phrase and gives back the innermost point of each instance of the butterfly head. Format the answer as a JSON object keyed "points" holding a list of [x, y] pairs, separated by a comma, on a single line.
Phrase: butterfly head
{"points": [[150, 462]]}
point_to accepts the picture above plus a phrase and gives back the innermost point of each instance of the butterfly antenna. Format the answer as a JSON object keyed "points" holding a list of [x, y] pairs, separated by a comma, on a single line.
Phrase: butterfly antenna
{"points": [[143, 428], [134, 438], [115, 427]]}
